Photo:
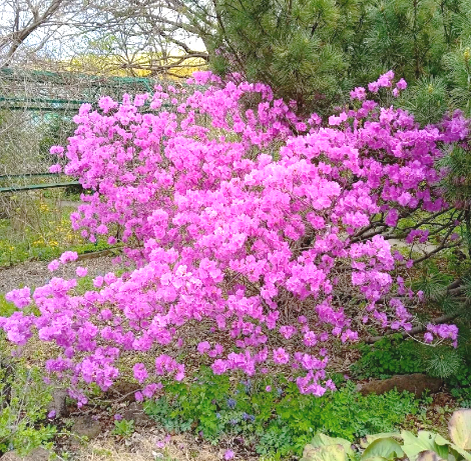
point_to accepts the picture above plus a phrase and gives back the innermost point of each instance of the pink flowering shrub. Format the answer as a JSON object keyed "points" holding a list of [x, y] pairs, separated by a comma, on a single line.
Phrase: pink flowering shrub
{"points": [[254, 233]]}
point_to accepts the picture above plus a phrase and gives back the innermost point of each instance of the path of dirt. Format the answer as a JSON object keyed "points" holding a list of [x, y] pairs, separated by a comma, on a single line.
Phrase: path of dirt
{"points": [[35, 273]]}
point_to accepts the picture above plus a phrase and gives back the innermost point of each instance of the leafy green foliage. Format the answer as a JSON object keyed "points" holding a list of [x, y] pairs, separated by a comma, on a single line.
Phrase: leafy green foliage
{"points": [[444, 362], [433, 282], [394, 356], [456, 183], [23, 406], [124, 428], [278, 420], [459, 382], [55, 129], [6, 308], [391, 355], [38, 228], [315, 51], [427, 100], [292, 46], [457, 63], [166, 414], [386, 446]]}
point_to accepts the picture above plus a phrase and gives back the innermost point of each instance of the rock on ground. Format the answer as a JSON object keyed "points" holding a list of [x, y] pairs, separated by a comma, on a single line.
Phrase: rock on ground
{"points": [[86, 426], [416, 383], [135, 412], [58, 403], [38, 454]]}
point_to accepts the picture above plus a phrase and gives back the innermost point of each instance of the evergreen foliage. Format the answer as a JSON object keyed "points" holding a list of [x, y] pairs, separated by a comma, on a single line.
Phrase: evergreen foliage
{"points": [[314, 51]]}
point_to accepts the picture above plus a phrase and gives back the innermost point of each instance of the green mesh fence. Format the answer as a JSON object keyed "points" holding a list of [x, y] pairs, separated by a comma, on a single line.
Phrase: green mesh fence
{"points": [[36, 112]]}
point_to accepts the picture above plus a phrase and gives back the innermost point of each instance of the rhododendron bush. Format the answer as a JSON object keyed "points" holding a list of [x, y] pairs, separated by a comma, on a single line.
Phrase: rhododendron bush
{"points": [[257, 239]]}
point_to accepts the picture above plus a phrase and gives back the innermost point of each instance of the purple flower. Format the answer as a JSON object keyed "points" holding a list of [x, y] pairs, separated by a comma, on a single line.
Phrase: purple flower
{"points": [[57, 168], [229, 454], [280, 356], [140, 372], [217, 231], [54, 265], [401, 84], [358, 93], [248, 417], [203, 347], [392, 217], [81, 271]]}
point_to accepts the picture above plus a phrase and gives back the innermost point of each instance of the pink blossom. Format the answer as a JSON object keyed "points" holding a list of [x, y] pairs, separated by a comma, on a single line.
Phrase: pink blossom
{"points": [[229, 454], [81, 271], [280, 356], [373, 87], [56, 150], [358, 93], [287, 331], [392, 217], [68, 256], [54, 265], [203, 347], [140, 372], [227, 238], [57, 168], [401, 84], [20, 297]]}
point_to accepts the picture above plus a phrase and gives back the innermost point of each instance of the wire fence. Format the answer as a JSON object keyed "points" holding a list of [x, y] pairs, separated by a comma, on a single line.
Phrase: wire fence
{"points": [[36, 112]]}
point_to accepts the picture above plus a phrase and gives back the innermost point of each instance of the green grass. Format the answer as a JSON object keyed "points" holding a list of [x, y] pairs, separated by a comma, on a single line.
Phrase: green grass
{"points": [[39, 228], [6, 308]]}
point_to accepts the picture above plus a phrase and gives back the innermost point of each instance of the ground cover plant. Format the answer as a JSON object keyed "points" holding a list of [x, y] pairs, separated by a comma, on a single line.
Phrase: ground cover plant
{"points": [[262, 245], [23, 403], [271, 415]]}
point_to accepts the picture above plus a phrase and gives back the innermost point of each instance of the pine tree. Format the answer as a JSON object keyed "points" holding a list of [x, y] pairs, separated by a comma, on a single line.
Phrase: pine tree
{"points": [[315, 51], [295, 46]]}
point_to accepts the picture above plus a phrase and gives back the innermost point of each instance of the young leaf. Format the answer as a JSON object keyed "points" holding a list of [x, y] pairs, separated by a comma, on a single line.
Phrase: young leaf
{"points": [[460, 428], [321, 440], [425, 441], [325, 453], [384, 447]]}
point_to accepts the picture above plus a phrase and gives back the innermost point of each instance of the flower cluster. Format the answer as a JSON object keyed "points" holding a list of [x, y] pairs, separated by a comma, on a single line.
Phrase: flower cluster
{"points": [[442, 331], [247, 225]]}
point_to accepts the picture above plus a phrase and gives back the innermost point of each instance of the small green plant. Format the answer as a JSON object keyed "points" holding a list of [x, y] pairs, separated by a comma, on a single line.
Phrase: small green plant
{"points": [[460, 384], [444, 362], [170, 416], [389, 356], [124, 428], [6, 308], [23, 406]]}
